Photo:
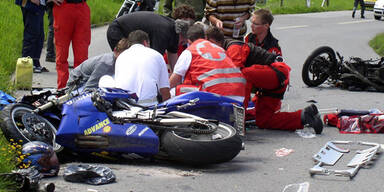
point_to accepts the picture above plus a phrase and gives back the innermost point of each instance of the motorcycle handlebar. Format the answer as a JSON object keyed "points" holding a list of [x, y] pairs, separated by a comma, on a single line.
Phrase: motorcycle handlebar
{"points": [[60, 100]]}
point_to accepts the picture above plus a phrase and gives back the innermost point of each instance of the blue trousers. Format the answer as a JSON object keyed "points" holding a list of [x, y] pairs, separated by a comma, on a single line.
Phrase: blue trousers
{"points": [[33, 34]]}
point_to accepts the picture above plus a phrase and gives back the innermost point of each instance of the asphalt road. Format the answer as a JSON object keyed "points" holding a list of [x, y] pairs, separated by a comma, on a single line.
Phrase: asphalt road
{"points": [[257, 168]]}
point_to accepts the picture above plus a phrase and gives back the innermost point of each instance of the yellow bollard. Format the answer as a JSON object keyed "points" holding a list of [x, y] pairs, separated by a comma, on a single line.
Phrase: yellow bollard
{"points": [[24, 71]]}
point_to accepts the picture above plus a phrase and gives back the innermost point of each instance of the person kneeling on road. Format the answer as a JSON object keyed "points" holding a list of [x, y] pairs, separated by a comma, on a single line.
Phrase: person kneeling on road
{"points": [[141, 70], [204, 66], [165, 33], [91, 70], [271, 79]]}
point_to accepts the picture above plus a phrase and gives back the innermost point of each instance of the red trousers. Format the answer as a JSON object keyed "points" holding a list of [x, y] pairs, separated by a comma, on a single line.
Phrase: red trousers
{"points": [[71, 25], [266, 107]]}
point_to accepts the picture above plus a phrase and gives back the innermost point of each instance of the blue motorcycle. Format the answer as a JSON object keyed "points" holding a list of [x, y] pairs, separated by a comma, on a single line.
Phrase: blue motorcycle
{"points": [[193, 128]]}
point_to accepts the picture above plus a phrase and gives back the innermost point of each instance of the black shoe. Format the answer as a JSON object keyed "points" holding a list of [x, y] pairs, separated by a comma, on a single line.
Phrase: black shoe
{"points": [[362, 17], [43, 69], [37, 69], [310, 115], [353, 14], [50, 59]]}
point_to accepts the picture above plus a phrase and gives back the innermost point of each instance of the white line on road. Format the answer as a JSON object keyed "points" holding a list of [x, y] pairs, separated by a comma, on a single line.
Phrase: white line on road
{"points": [[291, 27], [352, 22]]}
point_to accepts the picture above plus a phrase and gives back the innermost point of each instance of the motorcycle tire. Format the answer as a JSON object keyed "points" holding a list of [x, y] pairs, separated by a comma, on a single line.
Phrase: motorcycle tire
{"points": [[198, 149], [315, 67], [12, 119]]}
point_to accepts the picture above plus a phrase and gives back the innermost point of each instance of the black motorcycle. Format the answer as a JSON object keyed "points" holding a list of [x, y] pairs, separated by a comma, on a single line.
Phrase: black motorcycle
{"points": [[130, 6], [354, 74]]}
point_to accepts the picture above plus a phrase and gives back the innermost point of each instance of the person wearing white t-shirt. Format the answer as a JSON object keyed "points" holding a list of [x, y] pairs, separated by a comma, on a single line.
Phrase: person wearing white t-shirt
{"points": [[142, 70]]}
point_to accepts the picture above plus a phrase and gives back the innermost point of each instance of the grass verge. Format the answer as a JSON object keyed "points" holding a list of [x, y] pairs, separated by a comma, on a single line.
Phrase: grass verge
{"points": [[300, 6], [377, 44]]}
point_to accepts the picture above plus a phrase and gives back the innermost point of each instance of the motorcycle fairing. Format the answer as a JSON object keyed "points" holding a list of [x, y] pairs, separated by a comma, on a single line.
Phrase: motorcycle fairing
{"points": [[208, 105], [84, 128]]}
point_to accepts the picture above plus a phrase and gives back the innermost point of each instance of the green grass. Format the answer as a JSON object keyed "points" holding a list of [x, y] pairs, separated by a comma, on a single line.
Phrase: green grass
{"points": [[8, 161], [300, 6], [11, 30], [377, 44]]}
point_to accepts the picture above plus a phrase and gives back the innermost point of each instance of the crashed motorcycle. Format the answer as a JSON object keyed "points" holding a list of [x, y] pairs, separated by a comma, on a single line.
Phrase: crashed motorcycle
{"points": [[130, 6], [193, 128], [354, 74]]}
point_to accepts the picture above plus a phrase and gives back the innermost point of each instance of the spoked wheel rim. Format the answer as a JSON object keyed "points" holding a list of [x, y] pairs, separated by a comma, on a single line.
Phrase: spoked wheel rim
{"points": [[222, 132], [319, 67], [34, 127]]}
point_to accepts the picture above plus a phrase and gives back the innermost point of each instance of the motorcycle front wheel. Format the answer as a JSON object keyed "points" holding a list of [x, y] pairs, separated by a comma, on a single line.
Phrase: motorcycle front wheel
{"points": [[19, 123], [317, 67], [220, 146]]}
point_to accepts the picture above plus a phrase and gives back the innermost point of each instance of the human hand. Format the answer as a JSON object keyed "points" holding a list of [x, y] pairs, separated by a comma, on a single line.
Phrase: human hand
{"points": [[219, 24]]}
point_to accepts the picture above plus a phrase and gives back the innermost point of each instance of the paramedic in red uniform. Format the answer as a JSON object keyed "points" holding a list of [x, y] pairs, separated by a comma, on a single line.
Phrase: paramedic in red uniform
{"points": [[270, 78], [71, 25], [205, 66]]}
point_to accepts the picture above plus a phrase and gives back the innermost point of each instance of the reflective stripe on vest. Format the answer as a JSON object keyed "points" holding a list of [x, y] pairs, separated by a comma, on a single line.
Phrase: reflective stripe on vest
{"points": [[181, 89], [218, 71], [223, 80], [188, 89], [212, 71]]}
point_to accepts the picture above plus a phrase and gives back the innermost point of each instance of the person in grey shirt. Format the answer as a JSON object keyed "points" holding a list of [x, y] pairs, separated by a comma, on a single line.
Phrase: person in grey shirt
{"points": [[90, 71]]}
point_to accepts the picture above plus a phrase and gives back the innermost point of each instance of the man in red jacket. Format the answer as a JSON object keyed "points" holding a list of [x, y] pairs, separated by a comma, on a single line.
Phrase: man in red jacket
{"points": [[270, 78]]}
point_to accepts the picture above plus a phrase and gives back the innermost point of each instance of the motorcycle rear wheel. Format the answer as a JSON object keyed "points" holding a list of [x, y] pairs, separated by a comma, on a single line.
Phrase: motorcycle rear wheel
{"points": [[19, 123], [220, 146], [318, 65]]}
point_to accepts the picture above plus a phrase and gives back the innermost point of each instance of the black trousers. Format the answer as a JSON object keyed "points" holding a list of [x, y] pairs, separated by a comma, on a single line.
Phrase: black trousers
{"points": [[33, 34], [362, 6], [51, 53]]}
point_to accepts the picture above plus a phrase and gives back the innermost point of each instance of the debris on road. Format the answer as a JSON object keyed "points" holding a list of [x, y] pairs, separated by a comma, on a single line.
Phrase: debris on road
{"points": [[330, 154], [306, 134], [297, 187], [283, 152], [91, 174]]}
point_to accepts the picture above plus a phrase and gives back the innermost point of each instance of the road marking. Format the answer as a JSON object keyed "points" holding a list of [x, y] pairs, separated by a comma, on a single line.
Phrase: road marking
{"points": [[292, 27], [352, 22]]}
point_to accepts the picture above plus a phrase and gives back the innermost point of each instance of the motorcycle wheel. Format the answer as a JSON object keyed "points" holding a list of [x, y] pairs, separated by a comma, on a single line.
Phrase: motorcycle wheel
{"points": [[18, 123], [317, 66], [220, 146]]}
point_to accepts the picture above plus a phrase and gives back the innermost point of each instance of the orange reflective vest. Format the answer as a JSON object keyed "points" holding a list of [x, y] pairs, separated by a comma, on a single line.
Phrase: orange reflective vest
{"points": [[212, 71]]}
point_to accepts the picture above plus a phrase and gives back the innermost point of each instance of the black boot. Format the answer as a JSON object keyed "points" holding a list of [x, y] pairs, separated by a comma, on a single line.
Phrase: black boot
{"points": [[310, 115], [353, 14]]}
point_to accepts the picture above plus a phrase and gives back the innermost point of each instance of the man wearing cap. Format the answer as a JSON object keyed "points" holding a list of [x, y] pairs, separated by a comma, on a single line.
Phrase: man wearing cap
{"points": [[165, 34]]}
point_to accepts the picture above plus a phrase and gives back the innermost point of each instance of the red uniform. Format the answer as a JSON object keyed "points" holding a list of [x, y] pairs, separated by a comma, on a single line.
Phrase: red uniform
{"points": [[71, 25], [271, 81], [212, 70]]}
